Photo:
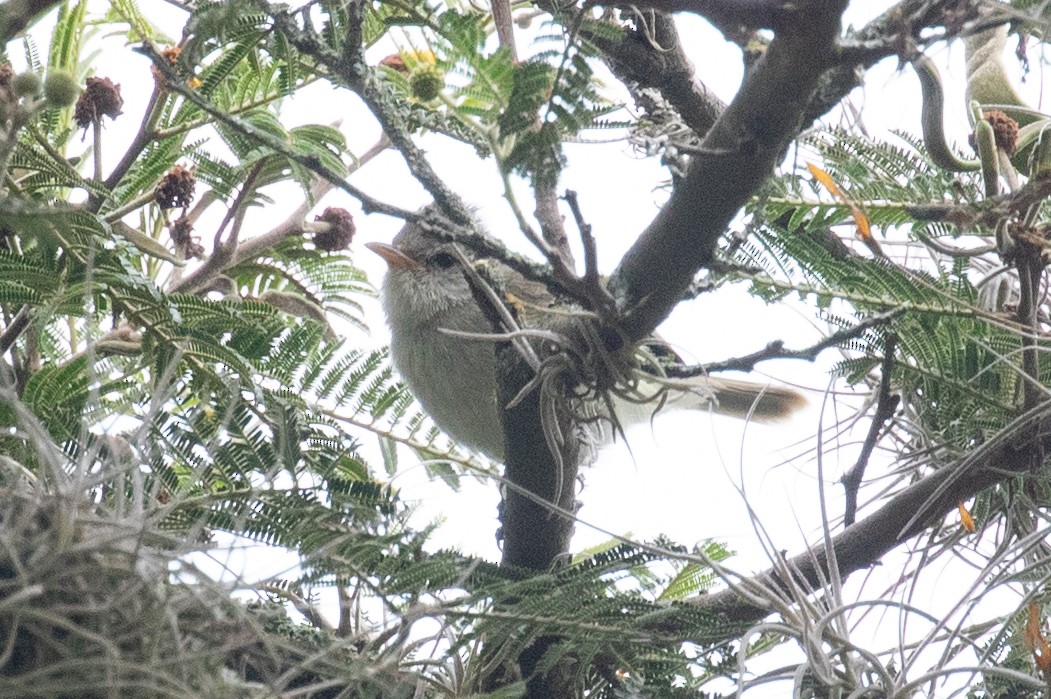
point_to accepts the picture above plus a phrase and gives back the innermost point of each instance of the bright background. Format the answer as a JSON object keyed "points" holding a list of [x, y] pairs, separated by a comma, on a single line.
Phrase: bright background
{"points": [[689, 476]]}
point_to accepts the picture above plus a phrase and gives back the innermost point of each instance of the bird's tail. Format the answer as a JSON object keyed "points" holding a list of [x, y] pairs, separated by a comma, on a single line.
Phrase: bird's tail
{"points": [[733, 397], [747, 399]]}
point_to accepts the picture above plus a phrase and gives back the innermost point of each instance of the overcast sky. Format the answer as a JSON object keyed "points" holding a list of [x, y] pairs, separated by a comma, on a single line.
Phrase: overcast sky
{"points": [[688, 477]]}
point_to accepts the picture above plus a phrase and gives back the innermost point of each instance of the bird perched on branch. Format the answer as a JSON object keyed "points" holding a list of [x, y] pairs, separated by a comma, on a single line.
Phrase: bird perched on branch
{"points": [[443, 346]]}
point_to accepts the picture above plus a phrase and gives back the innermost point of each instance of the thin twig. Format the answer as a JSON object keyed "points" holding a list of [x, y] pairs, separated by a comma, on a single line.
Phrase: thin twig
{"points": [[96, 147], [143, 138], [351, 68], [202, 277], [311, 162], [15, 328], [551, 226], [776, 349], [589, 288], [222, 252], [886, 405]]}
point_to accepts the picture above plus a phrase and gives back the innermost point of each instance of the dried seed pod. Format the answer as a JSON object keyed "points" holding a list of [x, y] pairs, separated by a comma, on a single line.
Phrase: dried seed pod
{"points": [[186, 243], [7, 73], [1005, 130], [176, 188], [340, 229], [395, 62], [101, 97]]}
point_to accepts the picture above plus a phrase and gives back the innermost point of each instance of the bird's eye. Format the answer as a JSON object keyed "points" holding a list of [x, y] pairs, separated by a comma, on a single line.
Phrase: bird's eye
{"points": [[443, 260]]}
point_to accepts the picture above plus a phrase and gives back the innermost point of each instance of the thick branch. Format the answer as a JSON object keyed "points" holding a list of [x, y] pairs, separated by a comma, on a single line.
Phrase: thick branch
{"points": [[17, 15], [536, 518], [742, 150], [904, 516], [504, 23], [732, 14], [800, 77], [535, 536], [655, 59]]}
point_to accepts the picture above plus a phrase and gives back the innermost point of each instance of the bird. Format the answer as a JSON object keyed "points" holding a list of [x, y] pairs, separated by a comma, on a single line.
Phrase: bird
{"points": [[431, 309]]}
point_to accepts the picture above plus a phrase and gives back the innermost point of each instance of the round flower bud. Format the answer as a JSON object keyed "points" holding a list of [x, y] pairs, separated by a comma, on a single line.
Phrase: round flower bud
{"points": [[26, 84], [426, 82], [60, 89]]}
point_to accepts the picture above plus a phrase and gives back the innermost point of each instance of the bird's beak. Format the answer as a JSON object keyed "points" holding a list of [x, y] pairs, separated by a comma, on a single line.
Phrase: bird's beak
{"points": [[394, 257]]}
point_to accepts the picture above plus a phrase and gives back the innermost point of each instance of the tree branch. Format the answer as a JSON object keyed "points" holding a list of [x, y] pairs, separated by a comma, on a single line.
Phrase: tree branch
{"points": [[902, 517], [311, 162], [731, 14], [353, 71], [776, 349], [896, 32], [742, 150], [15, 328], [655, 59], [801, 75], [17, 15], [536, 518], [886, 404]]}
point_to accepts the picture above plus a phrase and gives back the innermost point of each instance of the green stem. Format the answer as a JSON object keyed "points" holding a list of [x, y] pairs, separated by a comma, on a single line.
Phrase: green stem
{"points": [[933, 118], [7, 145], [143, 138], [96, 150], [487, 133], [136, 203], [160, 134]]}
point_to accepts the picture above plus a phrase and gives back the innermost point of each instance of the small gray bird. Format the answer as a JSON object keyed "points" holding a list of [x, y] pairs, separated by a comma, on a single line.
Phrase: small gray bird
{"points": [[425, 294]]}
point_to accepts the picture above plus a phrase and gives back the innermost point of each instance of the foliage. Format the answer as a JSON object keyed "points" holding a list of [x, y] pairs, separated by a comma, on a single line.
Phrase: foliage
{"points": [[153, 405], [176, 386]]}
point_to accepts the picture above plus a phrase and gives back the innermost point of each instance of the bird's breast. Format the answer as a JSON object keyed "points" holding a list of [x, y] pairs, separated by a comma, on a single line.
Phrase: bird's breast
{"points": [[453, 378]]}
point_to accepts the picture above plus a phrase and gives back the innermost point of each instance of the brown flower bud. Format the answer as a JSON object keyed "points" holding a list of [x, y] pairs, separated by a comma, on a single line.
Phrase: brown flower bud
{"points": [[395, 62], [176, 188], [340, 232], [186, 243], [1005, 130], [101, 97]]}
